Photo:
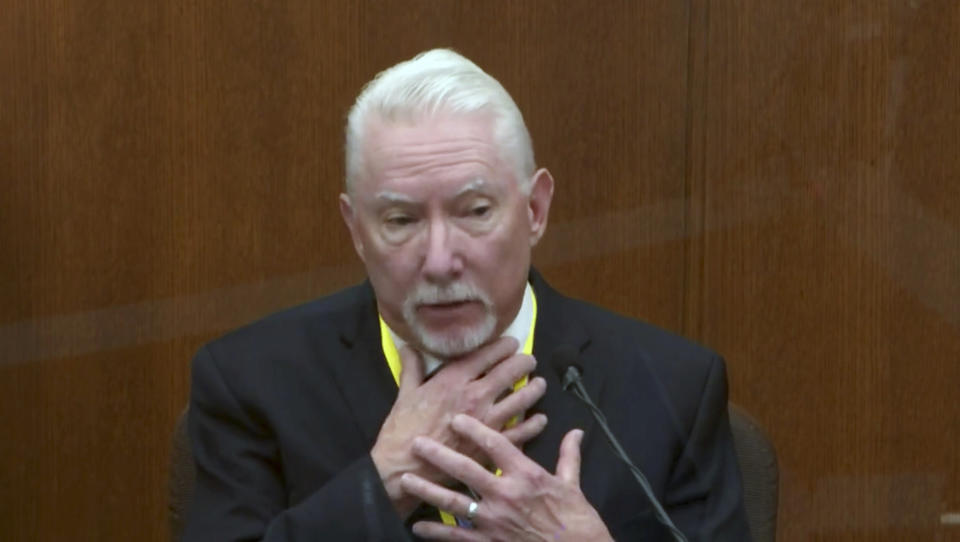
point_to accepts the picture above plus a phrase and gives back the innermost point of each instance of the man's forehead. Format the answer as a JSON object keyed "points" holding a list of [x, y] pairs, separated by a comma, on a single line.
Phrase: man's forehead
{"points": [[446, 155], [434, 118], [451, 190], [426, 126]]}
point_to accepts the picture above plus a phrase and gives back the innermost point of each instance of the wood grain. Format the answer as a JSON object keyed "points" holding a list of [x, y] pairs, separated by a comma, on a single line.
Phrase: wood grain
{"points": [[170, 171], [831, 252], [775, 179]]}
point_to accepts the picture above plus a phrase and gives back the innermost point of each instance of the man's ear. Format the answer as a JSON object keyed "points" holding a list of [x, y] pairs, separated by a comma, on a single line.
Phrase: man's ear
{"points": [[350, 219], [538, 210]]}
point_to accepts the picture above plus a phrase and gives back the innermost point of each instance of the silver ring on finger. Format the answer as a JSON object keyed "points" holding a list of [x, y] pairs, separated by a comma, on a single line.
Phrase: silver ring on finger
{"points": [[472, 510]]}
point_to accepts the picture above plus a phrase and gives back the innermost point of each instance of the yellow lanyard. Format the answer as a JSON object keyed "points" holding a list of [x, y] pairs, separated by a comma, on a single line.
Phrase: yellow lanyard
{"points": [[393, 361]]}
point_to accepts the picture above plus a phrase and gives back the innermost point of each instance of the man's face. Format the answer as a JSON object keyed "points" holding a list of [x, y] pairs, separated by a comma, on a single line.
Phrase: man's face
{"points": [[444, 230]]}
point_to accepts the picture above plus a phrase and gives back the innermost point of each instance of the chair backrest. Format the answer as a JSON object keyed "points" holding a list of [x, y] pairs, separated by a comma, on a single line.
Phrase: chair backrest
{"points": [[183, 477], [755, 452], [758, 469]]}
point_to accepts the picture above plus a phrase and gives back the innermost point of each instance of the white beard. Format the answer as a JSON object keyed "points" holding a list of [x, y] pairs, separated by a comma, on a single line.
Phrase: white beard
{"points": [[447, 345]]}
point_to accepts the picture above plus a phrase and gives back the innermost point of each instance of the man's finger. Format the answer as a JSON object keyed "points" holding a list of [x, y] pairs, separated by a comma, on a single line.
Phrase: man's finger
{"points": [[411, 373], [526, 430], [516, 403], [502, 377], [568, 464], [432, 530], [504, 454], [481, 360], [435, 495], [455, 464]]}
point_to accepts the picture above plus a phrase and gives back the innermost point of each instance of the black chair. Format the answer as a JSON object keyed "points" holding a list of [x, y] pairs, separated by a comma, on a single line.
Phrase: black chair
{"points": [[183, 478], [759, 472]]}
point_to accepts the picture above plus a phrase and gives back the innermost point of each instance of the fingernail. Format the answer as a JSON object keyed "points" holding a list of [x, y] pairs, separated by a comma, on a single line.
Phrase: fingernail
{"points": [[579, 436]]}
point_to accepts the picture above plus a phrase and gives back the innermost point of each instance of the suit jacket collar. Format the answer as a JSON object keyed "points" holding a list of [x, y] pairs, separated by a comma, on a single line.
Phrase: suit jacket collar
{"points": [[361, 369], [557, 326], [368, 386]]}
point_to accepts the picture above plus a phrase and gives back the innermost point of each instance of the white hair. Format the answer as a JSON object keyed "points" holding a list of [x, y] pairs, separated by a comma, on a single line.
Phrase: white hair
{"points": [[439, 81]]}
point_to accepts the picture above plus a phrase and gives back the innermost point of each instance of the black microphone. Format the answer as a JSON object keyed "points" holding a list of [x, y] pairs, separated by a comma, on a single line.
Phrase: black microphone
{"points": [[565, 364]]}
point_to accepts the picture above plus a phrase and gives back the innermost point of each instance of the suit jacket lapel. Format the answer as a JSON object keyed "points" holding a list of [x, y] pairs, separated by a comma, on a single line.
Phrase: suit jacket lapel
{"points": [[557, 325], [361, 370]]}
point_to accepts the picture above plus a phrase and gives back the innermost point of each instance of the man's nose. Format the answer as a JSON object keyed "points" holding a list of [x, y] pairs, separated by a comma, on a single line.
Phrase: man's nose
{"points": [[443, 261]]}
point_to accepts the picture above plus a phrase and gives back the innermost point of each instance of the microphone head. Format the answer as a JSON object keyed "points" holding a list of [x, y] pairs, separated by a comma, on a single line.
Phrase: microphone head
{"points": [[563, 359]]}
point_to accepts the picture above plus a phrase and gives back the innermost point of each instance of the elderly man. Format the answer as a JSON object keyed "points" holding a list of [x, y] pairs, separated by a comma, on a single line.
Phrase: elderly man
{"points": [[413, 405]]}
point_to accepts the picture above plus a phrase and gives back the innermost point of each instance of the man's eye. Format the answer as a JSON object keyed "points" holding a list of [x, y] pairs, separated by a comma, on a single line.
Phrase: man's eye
{"points": [[399, 220], [480, 211]]}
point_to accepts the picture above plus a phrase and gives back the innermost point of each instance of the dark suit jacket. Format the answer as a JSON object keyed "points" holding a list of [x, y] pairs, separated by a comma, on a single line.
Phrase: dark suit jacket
{"points": [[285, 411]]}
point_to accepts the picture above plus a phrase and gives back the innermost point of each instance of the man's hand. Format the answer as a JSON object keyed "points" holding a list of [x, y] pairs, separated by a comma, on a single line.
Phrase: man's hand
{"points": [[470, 385], [526, 503]]}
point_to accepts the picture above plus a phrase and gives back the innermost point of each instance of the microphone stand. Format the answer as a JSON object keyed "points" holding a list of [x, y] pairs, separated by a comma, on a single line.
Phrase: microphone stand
{"points": [[572, 379]]}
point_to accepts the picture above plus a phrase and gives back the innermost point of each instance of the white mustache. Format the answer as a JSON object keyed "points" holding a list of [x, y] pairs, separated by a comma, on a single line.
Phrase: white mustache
{"points": [[457, 292]]}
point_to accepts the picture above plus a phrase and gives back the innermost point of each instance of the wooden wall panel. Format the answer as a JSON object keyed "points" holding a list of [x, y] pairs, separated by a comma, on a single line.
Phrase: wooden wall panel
{"points": [[170, 169], [776, 179], [827, 188]]}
